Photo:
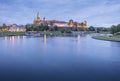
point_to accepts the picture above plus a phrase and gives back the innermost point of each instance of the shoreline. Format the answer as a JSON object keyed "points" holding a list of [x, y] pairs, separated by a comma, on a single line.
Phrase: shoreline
{"points": [[3, 34], [104, 38], [36, 34]]}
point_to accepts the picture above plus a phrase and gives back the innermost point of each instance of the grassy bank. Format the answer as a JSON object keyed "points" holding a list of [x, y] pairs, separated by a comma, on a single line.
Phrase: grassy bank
{"points": [[51, 33], [12, 33], [113, 38], [55, 33]]}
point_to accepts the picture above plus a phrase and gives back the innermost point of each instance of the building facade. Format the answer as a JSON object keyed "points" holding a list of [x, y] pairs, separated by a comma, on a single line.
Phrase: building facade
{"points": [[61, 24], [13, 28], [16, 28]]}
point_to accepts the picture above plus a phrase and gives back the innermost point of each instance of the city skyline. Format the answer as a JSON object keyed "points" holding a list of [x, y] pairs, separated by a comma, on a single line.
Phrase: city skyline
{"points": [[102, 13]]}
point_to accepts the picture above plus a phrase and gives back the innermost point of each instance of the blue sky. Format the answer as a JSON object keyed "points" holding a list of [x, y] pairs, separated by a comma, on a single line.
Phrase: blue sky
{"points": [[95, 12]]}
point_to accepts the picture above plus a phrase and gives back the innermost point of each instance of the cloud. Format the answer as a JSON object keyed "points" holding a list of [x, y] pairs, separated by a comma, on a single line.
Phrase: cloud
{"points": [[97, 13]]}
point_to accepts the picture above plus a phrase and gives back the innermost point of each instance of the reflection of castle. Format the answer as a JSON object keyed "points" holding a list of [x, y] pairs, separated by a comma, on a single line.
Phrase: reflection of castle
{"points": [[61, 24]]}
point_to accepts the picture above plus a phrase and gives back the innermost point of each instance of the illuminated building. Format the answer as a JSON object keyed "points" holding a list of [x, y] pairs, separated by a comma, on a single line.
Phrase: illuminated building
{"points": [[16, 28], [60, 24]]}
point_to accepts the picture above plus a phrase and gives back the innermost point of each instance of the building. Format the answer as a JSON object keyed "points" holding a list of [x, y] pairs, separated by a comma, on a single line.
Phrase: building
{"points": [[37, 19], [4, 28], [57, 23], [71, 23], [60, 24], [16, 28], [12, 28]]}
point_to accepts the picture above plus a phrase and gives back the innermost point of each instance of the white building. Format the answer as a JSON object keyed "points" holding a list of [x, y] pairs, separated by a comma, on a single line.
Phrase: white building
{"points": [[61, 24], [15, 28]]}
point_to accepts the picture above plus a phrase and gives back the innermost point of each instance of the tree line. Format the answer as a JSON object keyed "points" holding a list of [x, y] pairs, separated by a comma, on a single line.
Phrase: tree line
{"points": [[45, 27], [32, 27], [113, 29], [98, 29]]}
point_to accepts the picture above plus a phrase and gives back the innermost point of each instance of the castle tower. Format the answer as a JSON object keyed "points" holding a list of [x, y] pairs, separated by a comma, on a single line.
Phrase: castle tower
{"points": [[85, 25], [71, 23], [44, 19], [38, 16]]}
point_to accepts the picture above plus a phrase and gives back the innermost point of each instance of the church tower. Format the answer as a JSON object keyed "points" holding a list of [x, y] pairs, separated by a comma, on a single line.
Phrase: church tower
{"points": [[38, 16], [44, 19], [85, 25], [37, 19]]}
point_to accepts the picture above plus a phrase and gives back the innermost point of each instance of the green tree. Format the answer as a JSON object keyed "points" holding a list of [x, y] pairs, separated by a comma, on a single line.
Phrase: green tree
{"points": [[118, 28], [68, 31], [62, 30], [45, 27], [29, 27], [91, 28], [114, 29], [55, 28]]}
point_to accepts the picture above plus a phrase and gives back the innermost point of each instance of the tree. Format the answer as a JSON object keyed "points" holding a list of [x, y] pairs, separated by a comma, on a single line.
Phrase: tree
{"points": [[91, 28], [118, 28], [45, 27], [29, 27], [38, 28], [55, 28], [98, 30], [68, 31], [115, 29], [62, 30]]}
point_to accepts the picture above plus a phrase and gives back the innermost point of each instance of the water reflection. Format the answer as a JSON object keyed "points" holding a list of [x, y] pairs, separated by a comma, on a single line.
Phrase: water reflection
{"points": [[78, 41], [78, 37], [44, 39], [99, 59], [115, 44], [5, 38], [12, 38]]}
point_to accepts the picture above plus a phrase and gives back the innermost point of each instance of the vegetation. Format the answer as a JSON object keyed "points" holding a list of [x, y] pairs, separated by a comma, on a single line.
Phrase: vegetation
{"points": [[45, 27], [52, 33], [113, 38], [62, 30], [102, 30], [12, 33], [115, 29], [56, 28], [91, 28], [68, 31], [41, 27]]}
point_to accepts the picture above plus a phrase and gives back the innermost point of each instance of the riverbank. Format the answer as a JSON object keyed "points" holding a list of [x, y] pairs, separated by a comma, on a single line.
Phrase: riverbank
{"points": [[113, 38], [53, 33], [2, 34], [42, 33]]}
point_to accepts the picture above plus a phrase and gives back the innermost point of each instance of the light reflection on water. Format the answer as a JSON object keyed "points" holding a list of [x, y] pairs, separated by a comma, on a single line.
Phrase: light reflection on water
{"points": [[45, 39], [45, 58]]}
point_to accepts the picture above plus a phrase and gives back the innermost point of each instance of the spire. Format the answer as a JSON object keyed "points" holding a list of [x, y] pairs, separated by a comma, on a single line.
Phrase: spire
{"points": [[44, 18], [38, 15], [85, 21]]}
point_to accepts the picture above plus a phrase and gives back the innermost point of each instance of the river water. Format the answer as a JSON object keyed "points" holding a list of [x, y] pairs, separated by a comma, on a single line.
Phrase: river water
{"points": [[45, 58]]}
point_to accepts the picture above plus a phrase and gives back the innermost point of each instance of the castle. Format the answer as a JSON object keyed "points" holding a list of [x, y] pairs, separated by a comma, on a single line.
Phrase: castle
{"points": [[61, 24]]}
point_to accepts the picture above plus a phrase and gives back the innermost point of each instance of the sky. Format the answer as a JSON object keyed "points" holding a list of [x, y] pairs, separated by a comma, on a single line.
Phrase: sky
{"points": [[98, 13]]}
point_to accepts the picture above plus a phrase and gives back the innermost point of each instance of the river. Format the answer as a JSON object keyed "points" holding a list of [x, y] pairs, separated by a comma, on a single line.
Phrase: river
{"points": [[45, 58]]}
